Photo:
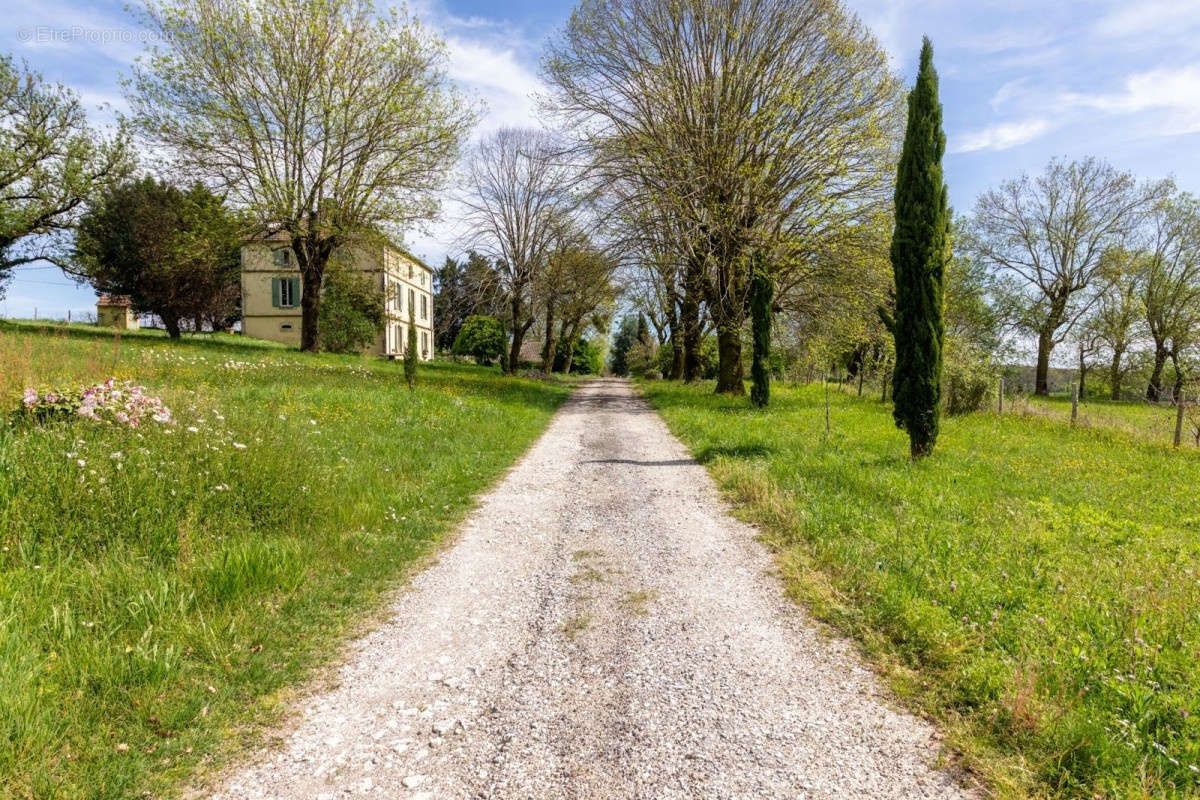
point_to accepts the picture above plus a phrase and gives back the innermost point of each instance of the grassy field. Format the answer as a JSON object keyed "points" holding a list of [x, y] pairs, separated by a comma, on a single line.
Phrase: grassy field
{"points": [[162, 588], [1149, 422], [1035, 588]]}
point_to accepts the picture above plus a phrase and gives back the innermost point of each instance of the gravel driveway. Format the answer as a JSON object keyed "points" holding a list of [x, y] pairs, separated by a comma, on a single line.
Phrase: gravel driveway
{"points": [[602, 629]]}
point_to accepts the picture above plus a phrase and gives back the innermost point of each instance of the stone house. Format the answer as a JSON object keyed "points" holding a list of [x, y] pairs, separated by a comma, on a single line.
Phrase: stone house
{"points": [[271, 288], [116, 311]]}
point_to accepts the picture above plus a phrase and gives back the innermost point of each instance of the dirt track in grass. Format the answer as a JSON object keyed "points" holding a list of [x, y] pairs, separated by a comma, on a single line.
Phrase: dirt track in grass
{"points": [[601, 629]]}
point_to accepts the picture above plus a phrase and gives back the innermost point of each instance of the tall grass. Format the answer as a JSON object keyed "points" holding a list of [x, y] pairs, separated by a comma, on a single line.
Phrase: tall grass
{"points": [[1034, 587], [162, 588]]}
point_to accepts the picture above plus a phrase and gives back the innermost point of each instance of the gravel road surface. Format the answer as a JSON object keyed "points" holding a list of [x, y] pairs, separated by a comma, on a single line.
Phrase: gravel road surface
{"points": [[601, 629]]}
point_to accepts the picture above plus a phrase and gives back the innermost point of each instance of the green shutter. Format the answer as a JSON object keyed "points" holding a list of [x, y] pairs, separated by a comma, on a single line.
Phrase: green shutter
{"points": [[275, 292], [295, 291]]}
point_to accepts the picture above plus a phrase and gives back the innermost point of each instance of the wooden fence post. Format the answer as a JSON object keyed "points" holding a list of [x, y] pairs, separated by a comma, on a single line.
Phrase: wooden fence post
{"points": [[826, 404], [1074, 404], [1000, 396]]}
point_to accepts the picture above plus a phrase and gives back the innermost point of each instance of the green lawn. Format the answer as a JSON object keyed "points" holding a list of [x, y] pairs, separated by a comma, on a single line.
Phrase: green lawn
{"points": [[162, 589], [1036, 589]]}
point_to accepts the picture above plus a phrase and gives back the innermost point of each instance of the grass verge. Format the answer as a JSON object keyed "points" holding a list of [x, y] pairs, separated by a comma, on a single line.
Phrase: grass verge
{"points": [[162, 588], [1034, 588]]}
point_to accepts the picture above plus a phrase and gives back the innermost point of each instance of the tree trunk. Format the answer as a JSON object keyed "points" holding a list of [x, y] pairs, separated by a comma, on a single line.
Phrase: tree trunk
{"points": [[676, 352], [518, 333], [730, 376], [1154, 388], [172, 325], [919, 445], [1114, 374], [1178, 393], [1082, 374], [548, 345], [689, 314], [1045, 346]]}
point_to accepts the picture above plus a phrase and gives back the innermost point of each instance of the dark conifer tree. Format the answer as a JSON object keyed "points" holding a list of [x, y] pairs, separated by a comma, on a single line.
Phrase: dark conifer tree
{"points": [[919, 253], [762, 293]]}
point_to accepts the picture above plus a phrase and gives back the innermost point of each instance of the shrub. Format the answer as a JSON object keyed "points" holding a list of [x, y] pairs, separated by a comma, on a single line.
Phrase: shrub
{"points": [[480, 337], [352, 312], [643, 359], [967, 379], [587, 358]]}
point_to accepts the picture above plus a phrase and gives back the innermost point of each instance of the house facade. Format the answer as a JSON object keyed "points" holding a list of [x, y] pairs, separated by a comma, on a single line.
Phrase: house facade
{"points": [[271, 289]]}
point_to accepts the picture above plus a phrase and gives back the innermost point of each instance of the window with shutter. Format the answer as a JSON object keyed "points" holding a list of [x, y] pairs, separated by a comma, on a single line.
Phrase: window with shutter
{"points": [[424, 307], [280, 258]]}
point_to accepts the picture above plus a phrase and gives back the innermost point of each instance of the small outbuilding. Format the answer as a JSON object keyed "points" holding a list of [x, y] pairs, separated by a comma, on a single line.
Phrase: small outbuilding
{"points": [[116, 311]]}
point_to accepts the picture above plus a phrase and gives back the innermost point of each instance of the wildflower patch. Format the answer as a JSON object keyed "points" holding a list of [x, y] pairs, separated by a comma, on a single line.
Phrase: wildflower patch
{"points": [[115, 402]]}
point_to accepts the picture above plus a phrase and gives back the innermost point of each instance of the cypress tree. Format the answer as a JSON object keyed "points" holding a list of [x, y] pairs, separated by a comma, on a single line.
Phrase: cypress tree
{"points": [[410, 352], [762, 292], [918, 262]]}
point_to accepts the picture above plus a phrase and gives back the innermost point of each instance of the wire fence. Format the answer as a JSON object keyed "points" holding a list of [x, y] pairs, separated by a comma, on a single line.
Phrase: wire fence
{"points": [[1164, 422]]}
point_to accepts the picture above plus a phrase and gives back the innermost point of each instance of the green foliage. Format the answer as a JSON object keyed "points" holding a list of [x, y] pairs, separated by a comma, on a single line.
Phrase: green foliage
{"points": [[623, 342], [762, 292], [919, 249], [51, 163], [642, 360], [480, 337], [586, 359], [161, 596], [353, 311], [1019, 587], [462, 289], [969, 379], [174, 252], [411, 356]]}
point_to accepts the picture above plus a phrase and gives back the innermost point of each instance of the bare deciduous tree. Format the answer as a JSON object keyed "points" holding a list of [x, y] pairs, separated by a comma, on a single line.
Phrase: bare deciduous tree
{"points": [[519, 206], [749, 121], [1169, 267], [323, 118], [1052, 232], [1119, 310]]}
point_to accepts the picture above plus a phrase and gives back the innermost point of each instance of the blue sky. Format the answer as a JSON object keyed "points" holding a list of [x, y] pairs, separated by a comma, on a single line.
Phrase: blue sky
{"points": [[1022, 82]]}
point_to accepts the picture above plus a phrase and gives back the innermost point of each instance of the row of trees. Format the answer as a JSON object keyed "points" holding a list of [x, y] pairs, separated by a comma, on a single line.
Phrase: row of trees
{"points": [[529, 210], [726, 139], [1085, 255]]}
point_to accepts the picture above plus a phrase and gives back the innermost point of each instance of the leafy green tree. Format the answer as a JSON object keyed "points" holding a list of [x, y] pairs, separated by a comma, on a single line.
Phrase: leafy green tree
{"points": [[325, 119], [410, 352], [623, 342], [52, 166], [462, 289], [762, 292], [919, 254], [353, 311], [481, 338], [174, 252]]}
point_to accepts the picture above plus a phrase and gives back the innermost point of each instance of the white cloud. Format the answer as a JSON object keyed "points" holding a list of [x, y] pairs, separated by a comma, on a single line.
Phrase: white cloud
{"points": [[496, 76], [1003, 136], [1173, 90], [1148, 15]]}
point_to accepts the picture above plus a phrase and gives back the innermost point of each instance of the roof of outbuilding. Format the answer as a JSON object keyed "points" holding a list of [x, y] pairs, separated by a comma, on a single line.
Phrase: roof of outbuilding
{"points": [[121, 300]]}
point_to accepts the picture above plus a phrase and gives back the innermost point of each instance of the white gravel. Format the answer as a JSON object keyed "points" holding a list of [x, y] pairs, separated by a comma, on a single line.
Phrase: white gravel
{"points": [[602, 629]]}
